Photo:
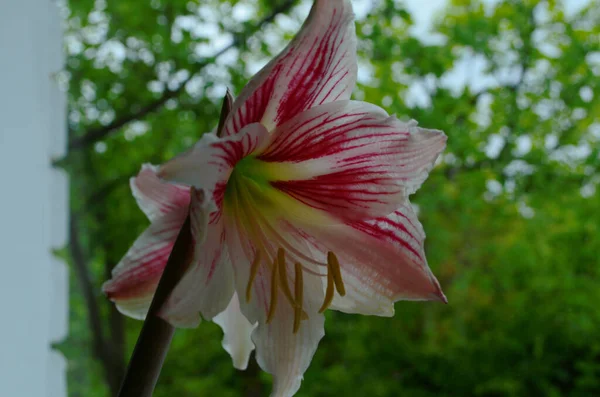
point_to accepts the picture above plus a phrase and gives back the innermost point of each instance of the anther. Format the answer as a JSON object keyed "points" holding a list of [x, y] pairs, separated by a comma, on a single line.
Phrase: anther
{"points": [[274, 292], [328, 292], [283, 280], [253, 272], [334, 267], [299, 297]]}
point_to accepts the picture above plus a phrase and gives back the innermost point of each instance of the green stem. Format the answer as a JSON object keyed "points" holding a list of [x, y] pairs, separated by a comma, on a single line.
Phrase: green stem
{"points": [[154, 340]]}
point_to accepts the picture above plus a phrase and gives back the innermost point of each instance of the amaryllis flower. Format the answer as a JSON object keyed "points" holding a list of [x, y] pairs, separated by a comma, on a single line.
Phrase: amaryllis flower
{"points": [[304, 205]]}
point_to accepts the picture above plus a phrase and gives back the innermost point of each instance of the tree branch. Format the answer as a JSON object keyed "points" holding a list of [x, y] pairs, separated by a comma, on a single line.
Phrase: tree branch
{"points": [[100, 348], [95, 134]]}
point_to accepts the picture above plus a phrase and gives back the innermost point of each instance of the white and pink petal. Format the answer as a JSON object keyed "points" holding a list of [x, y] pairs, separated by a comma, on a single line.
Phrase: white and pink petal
{"points": [[279, 351], [237, 332], [207, 286], [318, 66], [285, 354], [136, 276], [382, 261], [155, 197]]}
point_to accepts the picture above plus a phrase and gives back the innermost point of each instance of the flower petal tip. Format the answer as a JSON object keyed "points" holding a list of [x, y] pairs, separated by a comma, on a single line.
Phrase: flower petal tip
{"points": [[241, 364], [149, 167], [438, 295], [442, 298], [110, 289], [106, 289], [435, 135]]}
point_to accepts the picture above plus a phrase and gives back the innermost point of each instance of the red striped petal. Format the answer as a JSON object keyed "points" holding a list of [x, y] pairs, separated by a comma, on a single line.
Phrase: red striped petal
{"points": [[397, 265], [317, 67], [135, 278], [382, 261], [351, 159]]}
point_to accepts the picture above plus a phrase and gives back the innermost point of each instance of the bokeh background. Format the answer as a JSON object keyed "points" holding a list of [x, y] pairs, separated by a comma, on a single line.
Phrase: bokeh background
{"points": [[512, 210]]}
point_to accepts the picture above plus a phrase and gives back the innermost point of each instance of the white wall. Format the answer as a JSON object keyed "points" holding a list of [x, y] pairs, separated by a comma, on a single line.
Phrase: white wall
{"points": [[33, 201]]}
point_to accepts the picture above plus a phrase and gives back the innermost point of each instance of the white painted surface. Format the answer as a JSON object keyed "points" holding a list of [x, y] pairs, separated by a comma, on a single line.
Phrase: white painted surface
{"points": [[33, 201]]}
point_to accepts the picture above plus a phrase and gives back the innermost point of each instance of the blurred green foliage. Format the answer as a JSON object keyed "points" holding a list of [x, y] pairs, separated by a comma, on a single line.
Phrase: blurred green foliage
{"points": [[511, 211]]}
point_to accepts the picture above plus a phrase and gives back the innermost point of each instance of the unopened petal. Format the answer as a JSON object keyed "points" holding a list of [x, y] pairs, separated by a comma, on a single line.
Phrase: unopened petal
{"points": [[237, 331], [318, 66]]}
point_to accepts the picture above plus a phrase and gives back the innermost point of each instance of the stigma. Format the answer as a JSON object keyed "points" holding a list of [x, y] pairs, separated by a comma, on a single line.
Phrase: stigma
{"points": [[279, 282]]}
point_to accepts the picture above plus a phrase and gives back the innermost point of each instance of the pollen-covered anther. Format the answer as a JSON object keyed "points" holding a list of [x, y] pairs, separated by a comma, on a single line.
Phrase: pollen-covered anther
{"points": [[334, 267], [334, 281]]}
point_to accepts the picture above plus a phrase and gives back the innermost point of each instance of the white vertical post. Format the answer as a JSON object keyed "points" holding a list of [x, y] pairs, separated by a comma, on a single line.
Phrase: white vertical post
{"points": [[33, 201]]}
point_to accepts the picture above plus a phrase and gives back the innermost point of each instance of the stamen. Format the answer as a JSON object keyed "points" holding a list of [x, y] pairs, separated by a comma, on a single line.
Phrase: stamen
{"points": [[274, 292], [299, 292], [253, 272], [328, 292], [283, 280], [334, 267]]}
